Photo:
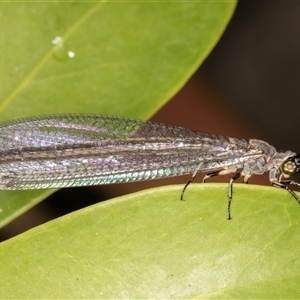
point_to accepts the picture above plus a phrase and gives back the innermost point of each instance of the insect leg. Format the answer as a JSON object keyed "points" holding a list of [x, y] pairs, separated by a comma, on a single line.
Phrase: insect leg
{"points": [[230, 187], [212, 174], [284, 184], [191, 180], [295, 183]]}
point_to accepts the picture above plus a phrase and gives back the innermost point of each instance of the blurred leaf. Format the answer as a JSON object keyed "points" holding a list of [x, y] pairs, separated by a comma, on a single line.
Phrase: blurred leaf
{"points": [[126, 54], [151, 245], [13, 204], [118, 58]]}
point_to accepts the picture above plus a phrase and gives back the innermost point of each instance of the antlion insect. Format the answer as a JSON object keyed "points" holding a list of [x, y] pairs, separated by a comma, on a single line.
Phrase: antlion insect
{"points": [[79, 150]]}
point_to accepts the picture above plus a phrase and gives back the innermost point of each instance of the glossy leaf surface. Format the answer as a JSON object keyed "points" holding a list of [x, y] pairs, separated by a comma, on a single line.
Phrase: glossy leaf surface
{"points": [[152, 245]]}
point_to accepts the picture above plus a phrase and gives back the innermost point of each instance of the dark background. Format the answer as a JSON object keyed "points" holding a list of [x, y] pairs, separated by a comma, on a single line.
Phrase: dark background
{"points": [[247, 87]]}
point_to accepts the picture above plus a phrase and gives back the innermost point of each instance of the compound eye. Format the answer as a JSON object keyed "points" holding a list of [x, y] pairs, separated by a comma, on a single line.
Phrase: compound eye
{"points": [[289, 167]]}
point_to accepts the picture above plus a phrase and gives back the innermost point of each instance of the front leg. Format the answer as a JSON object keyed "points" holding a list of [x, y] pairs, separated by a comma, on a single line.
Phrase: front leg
{"points": [[284, 184]]}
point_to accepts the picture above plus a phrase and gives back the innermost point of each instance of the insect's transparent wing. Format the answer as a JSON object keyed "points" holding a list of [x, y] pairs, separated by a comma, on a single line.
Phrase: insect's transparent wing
{"points": [[75, 150]]}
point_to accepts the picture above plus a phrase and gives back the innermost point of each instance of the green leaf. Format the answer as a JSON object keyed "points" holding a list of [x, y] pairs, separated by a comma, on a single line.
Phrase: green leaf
{"points": [[152, 245], [118, 58], [13, 204]]}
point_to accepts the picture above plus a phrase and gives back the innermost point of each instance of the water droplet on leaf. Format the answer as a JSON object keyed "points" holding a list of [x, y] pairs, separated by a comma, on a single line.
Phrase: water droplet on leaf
{"points": [[60, 51]]}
